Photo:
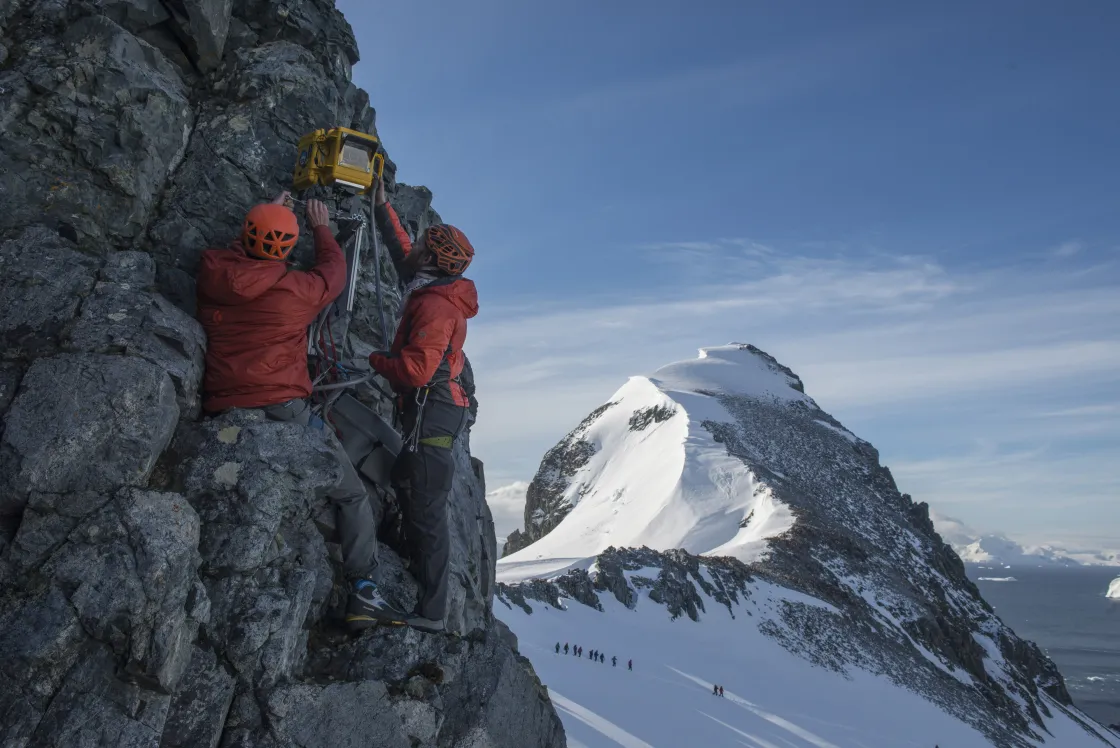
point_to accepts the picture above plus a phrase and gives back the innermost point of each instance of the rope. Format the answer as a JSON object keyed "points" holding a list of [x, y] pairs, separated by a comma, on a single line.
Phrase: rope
{"points": [[377, 269]]}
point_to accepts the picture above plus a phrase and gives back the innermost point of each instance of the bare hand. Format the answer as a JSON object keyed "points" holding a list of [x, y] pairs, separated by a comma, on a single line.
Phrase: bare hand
{"points": [[284, 198], [379, 193], [317, 214]]}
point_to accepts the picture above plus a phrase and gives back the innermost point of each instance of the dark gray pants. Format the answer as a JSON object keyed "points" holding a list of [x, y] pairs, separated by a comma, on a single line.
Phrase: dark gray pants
{"points": [[423, 481], [353, 513]]}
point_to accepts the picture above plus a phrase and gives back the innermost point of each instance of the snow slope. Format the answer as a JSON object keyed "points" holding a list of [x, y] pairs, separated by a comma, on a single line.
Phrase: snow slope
{"points": [[772, 699], [1114, 589], [669, 484]]}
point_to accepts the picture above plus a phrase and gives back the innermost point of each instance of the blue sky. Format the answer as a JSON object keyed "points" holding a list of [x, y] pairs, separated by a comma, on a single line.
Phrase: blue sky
{"points": [[915, 206]]}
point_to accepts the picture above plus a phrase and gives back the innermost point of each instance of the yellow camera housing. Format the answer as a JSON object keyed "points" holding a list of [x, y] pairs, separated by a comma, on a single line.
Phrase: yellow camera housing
{"points": [[338, 157]]}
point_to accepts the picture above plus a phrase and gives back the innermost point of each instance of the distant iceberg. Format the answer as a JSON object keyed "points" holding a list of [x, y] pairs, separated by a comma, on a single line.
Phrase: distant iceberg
{"points": [[1001, 579], [1114, 589]]}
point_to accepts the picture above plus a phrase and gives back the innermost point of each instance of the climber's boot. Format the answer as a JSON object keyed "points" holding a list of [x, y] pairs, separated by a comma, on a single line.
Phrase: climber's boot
{"points": [[367, 607], [430, 625]]}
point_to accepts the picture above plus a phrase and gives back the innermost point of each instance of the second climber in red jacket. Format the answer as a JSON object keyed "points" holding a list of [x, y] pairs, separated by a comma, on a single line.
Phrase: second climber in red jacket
{"points": [[424, 367]]}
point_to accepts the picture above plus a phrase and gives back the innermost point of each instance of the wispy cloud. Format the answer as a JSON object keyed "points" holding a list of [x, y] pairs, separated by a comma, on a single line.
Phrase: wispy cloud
{"points": [[1067, 249], [1083, 411], [507, 504], [881, 341]]}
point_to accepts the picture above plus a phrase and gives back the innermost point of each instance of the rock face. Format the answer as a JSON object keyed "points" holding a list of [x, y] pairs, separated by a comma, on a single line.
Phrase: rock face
{"points": [[897, 600], [545, 505], [165, 580]]}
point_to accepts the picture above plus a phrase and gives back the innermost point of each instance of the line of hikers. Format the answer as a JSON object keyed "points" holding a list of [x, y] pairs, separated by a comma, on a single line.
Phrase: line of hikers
{"points": [[256, 312], [592, 655], [717, 690]]}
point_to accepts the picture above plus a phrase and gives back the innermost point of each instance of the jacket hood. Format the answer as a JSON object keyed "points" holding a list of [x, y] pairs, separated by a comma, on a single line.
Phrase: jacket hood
{"points": [[458, 290], [231, 277]]}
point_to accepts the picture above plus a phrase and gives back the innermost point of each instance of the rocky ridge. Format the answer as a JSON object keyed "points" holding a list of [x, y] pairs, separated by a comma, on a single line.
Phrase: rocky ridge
{"points": [[166, 580]]}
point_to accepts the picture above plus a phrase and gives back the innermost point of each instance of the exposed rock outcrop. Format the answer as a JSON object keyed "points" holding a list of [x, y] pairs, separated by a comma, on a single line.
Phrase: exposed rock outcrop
{"points": [[166, 580], [546, 502]]}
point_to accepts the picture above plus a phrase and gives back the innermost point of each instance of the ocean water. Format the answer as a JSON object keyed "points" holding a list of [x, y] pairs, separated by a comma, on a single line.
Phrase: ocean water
{"points": [[1065, 612]]}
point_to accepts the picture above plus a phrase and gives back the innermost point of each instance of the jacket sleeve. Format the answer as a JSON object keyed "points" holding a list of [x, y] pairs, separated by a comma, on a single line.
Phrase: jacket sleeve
{"points": [[323, 283], [396, 238], [430, 333]]}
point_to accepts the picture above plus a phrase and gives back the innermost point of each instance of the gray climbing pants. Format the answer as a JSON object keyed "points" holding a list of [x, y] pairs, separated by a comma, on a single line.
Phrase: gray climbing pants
{"points": [[353, 513], [423, 480]]}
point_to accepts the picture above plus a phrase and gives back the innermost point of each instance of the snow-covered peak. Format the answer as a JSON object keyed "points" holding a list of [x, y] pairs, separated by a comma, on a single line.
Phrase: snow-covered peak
{"points": [[999, 550], [733, 369], [996, 549], [726, 458], [1114, 589], [644, 469]]}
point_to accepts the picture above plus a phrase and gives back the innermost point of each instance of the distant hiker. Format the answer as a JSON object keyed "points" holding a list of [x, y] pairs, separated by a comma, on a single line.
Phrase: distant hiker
{"points": [[614, 661], [630, 665], [565, 647], [721, 690], [715, 690], [426, 368], [557, 647], [602, 658], [255, 312]]}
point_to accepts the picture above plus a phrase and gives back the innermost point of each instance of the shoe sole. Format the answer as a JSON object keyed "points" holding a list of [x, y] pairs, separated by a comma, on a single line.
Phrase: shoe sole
{"points": [[360, 623]]}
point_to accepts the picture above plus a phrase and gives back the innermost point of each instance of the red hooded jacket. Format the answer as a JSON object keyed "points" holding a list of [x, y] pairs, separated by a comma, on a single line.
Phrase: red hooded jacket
{"points": [[433, 323], [256, 314]]}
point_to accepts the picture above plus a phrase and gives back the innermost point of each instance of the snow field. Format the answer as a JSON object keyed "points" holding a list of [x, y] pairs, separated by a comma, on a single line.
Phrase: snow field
{"points": [[772, 697]]}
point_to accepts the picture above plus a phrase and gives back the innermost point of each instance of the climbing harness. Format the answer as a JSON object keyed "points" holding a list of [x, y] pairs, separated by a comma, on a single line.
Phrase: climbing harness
{"points": [[413, 441]]}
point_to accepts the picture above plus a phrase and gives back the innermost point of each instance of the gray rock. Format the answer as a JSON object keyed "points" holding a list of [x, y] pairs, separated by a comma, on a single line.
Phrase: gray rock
{"points": [[244, 475], [135, 269], [345, 715], [47, 522], [10, 376], [120, 317], [42, 282], [84, 422], [135, 15], [40, 640], [128, 571], [260, 622], [473, 560], [98, 121], [486, 693], [96, 709], [208, 24], [198, 711]]}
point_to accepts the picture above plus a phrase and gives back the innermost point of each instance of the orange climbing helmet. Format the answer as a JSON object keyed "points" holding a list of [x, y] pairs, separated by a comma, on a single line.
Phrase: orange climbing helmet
{"points": [[270, 232], [452, 250]]}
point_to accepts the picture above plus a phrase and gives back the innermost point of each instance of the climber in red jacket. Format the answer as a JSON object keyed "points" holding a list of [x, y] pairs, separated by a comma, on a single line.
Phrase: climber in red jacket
{"points": [[256, 313], [425, 366]]}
